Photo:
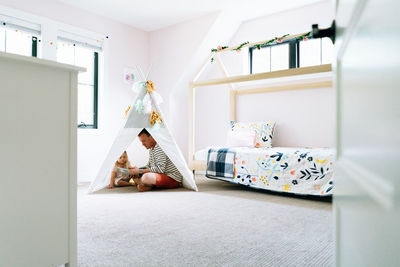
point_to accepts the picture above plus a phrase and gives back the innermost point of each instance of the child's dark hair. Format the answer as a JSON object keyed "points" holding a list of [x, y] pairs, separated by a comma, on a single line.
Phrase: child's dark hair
{"points": [[144, 131]]}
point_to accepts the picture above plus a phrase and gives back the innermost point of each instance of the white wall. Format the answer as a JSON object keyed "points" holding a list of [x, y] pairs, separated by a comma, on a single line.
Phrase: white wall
{"points": [[172, 48], [126, 47]]}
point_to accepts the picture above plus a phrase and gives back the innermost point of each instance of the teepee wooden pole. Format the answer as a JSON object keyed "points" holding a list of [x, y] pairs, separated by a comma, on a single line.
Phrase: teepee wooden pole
{"points": [[148, 72], [141, 73]]}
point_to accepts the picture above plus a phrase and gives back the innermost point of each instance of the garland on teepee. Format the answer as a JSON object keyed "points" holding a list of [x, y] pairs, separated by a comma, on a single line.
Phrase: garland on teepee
{"points": [[150, 86], [127, 111], [155, 117], [139, 106], [147, 105]]}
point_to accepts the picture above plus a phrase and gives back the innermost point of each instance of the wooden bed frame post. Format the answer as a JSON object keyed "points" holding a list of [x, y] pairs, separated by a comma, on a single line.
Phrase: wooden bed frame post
{"points": [[232, 105], [192, 102], [232, 91]]}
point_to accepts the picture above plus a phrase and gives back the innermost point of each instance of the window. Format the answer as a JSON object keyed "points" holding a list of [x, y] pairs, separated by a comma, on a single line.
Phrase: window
{"points": [[291, 54], [261, 60], [83, 56], [19, 35], [310, 52], [279, 57], [327, 51], [17, 41], [316, 52]]}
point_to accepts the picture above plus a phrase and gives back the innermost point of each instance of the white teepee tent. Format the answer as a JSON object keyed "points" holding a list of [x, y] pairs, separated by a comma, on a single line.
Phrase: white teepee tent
{"points": [[143, 114]]}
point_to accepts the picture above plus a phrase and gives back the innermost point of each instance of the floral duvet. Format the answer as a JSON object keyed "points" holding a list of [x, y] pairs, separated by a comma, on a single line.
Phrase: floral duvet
{"points": [[305, 171]]}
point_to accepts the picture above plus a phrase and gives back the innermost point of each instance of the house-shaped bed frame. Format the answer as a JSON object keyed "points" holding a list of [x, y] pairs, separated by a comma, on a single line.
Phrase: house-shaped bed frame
{"points": [[231, 80]]}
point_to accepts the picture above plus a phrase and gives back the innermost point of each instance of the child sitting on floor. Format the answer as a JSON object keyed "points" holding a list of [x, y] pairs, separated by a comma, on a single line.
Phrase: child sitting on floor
{"points": [[120, 175]]}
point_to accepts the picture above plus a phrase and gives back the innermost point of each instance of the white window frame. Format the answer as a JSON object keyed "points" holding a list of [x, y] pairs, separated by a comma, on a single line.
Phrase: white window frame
{"points": [[51, 31]]}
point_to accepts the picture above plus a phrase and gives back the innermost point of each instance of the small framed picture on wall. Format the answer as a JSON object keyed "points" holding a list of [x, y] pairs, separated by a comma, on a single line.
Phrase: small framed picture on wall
{"points": [[129, 75]]}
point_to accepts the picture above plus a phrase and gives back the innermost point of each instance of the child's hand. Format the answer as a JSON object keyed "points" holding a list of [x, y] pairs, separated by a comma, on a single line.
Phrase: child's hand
{"points": [[134, 170], [111, 186]]}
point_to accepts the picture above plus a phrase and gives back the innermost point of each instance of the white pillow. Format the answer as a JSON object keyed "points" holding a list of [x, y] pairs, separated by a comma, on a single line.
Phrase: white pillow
{"points": [[242, 138], [264, 131]]}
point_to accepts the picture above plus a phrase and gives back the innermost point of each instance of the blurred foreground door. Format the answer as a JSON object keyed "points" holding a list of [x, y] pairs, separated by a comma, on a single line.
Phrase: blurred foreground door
{"points": [[366, 200]]}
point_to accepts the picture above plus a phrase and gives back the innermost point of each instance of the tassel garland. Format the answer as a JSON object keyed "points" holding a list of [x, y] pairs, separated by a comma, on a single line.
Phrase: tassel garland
{"points": [[155, 117], [150, 86], [127, 111], [139, 106]]}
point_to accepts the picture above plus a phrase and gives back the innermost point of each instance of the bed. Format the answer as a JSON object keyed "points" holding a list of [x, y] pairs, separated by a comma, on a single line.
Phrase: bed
{"points": [[304, 171]]}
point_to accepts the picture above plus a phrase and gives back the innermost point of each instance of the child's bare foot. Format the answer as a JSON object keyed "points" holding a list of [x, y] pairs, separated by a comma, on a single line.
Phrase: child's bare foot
{"points": [[143, 188]]}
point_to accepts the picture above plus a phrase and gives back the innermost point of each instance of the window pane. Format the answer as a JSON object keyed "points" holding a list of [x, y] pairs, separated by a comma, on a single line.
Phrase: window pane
{"points": [[2, 39], [310, 52], [65, 53], [327, 50], [85, 104], [18, 42], [280, 57], [261, 60], [85, 58]]}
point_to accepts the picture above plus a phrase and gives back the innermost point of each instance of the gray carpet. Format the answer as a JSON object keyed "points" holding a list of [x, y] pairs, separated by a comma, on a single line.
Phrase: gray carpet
{"points": [[222, 225]]}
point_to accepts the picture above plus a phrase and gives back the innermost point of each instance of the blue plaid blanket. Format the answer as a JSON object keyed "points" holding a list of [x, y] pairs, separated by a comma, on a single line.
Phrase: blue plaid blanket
{"points": [[220, 163]]}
